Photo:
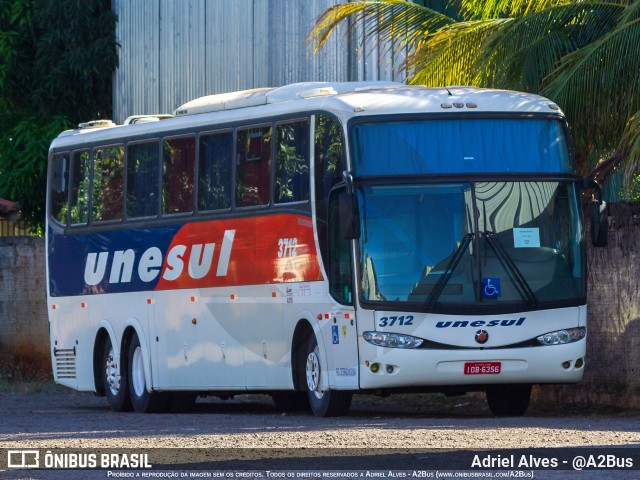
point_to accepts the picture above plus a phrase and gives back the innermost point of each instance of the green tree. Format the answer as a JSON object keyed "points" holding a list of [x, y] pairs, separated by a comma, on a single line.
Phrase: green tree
{"points": [[57, 58], [583, 55]]}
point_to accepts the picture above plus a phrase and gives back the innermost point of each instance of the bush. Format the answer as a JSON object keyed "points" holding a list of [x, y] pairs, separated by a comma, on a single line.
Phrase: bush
{"points": [[57, 58]]}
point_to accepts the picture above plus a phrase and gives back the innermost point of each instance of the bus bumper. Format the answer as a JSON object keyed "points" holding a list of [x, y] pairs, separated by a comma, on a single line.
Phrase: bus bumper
{"points": [[382, 368]]}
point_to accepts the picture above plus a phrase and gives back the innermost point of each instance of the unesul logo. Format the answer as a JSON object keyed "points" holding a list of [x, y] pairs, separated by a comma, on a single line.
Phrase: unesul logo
{"points": [[482, 336], [150, 264], [514, 322]]}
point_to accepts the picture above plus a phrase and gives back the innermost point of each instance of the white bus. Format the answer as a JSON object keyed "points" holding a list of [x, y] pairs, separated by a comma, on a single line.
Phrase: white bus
{"points": [[316, 240]]}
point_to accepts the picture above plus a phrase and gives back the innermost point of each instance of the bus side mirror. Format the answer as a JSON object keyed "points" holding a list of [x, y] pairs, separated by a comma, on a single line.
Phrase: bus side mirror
{"points": [[599, 215], [349, 216], [599, 223]]}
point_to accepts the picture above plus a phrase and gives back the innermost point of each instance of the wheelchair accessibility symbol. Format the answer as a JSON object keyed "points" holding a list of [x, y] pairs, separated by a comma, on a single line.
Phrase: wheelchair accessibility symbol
{"points": [[335, 334], [491, 287]]}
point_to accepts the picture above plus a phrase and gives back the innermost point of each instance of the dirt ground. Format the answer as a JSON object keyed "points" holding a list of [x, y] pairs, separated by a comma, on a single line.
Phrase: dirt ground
{"points": [[57, 417], [419, 433]]}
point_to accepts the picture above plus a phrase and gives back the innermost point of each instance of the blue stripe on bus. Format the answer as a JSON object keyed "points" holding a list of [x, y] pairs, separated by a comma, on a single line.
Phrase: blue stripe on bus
{"points": [[68, 258]]}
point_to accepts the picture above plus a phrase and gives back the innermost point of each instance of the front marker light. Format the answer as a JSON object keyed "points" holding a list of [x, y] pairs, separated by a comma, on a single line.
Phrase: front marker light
{"points": [[392, 340], [562, 337]]}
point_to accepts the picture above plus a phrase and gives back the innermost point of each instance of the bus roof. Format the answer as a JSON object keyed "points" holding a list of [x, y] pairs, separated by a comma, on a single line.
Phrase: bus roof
{"points": [[345, 99]]}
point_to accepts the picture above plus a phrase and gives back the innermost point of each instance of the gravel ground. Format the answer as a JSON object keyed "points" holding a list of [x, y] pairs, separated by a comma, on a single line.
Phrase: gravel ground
{"points": [[69, 419], [245, 428]]}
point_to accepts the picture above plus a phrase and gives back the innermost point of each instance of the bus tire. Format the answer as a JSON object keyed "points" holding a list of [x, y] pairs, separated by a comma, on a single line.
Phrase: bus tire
{"points": [[324, 403], [509, 400], [142, 399], [116, 383]]}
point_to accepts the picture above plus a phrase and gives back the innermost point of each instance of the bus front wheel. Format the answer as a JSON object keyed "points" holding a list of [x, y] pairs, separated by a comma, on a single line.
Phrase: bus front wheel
{"points": [[142, 399], [509, 400], [116, 385], [324, 403]]}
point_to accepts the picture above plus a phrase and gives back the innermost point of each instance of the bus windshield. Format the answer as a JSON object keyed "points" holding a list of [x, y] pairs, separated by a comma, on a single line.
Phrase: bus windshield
{"points": [[458, 146], [481, 244]]}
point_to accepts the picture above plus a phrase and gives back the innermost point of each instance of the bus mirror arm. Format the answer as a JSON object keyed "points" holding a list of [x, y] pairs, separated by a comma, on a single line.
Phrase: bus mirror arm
{"points": [[599, 214], [590, 184], [348, 180]]}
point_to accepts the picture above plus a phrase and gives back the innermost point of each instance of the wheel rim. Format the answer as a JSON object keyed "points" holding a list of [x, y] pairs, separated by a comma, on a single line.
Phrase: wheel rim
{"points": [[137, 372], [313, 373], [111, 371]]}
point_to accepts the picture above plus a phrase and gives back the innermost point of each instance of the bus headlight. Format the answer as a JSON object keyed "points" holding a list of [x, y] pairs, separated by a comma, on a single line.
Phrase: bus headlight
{"points": [[392, 340], [560, 337]]}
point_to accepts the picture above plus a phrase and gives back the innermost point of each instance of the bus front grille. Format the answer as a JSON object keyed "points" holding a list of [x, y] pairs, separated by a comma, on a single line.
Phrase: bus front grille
{"points": [[65, 362]]}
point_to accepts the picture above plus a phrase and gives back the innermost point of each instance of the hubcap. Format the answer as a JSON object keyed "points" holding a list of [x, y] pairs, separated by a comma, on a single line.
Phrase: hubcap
{"points": [[313, 373], [137, 372], [112, 377]]}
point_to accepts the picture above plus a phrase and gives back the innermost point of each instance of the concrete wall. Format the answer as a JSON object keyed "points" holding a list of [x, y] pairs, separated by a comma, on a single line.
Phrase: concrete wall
{"points": [[613, 353], [612, 372], [24, 327]]}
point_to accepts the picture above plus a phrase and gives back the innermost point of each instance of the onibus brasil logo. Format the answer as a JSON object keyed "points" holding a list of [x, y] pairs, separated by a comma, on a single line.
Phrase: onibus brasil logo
{"points": [[32, 459]]}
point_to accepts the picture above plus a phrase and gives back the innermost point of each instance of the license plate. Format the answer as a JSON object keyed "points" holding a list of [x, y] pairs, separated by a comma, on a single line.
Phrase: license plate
{"points": [[482, 368]]}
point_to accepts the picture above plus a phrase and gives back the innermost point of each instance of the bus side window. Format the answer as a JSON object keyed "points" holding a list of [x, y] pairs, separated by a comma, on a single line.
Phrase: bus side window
{"points": [[143, 165], [292, 162], [80, 187], [178, 169], [108, 175], [60, 187], [339, 265], [328, 168], [214, 172], [253, 167]]}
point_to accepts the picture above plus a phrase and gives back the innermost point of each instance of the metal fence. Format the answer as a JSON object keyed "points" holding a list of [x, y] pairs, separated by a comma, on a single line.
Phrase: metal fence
{"points": [[172, 51], [13, 229]]}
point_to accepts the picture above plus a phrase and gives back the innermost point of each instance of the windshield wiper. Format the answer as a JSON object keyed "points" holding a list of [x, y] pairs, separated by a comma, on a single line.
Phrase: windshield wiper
{"points": [[507, 262], [451, 266]]}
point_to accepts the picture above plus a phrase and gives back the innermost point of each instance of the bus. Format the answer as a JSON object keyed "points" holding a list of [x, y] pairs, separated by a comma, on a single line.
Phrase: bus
{"points": [[317, 240]]}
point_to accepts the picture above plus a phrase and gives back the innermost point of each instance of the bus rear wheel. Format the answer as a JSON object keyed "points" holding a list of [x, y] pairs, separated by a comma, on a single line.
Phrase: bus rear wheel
{"points": [[509, 400], [116, 384], [142, 399], [324, 403]]}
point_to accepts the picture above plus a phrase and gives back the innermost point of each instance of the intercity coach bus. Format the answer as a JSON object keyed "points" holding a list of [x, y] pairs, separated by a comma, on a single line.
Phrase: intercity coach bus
{"points": [[317, 240]]}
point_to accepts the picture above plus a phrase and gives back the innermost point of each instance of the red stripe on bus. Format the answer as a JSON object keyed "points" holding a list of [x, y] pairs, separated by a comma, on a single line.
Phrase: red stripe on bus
{"points": [[241, 251]]}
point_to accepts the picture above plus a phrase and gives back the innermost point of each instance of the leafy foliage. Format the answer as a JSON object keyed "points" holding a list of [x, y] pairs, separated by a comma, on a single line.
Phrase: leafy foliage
{"points": [[56, 63], [583, 54], [23, 164]]}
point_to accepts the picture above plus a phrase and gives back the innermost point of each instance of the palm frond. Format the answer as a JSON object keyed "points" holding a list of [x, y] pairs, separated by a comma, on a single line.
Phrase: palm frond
{"points": [[583, 54], [449, 57], [395, 22], [630, 144], [486, 9], [526, 50], [598, 84]]}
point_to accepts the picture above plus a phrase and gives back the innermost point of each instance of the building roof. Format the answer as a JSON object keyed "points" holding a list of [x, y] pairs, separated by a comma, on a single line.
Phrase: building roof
{"points": [[9, 209]]}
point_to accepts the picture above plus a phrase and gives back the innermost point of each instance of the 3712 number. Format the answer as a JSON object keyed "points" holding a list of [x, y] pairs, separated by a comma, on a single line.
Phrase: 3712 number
{"points": [[395, 320], [287, 247]]}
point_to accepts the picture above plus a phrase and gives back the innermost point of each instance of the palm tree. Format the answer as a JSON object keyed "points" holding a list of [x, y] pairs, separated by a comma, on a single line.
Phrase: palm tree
{"points": [[582, 54]]}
